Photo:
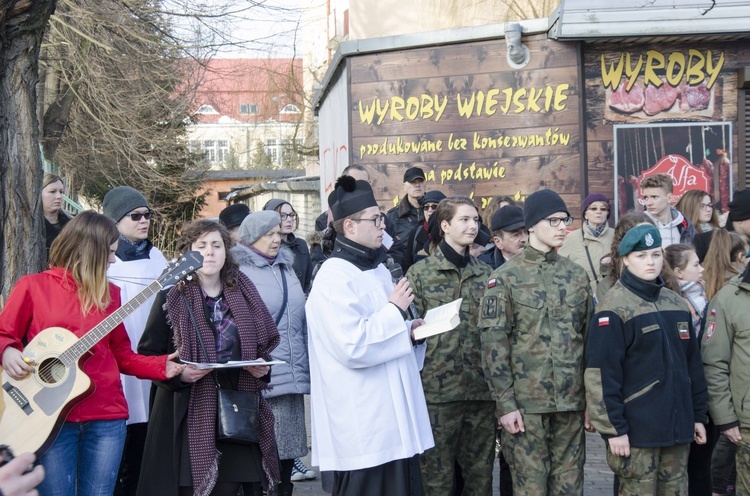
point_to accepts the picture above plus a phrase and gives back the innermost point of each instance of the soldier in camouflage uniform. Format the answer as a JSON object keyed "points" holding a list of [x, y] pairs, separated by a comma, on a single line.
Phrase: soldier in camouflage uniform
{"points": [[726, 360], [644, 380], [461, 409], [533, 319]]}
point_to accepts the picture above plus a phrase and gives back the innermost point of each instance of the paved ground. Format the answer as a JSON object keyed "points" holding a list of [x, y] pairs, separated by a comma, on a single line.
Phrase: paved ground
{"points": [[598, 476]]}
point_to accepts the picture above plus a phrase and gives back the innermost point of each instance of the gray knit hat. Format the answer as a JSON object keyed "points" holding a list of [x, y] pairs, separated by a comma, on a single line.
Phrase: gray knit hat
{"points": [[256, 224], [121, 200], [274, 203]]}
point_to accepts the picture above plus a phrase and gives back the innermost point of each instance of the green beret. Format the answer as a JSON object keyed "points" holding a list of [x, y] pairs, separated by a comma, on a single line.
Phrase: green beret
{"points": [[640, 238]]}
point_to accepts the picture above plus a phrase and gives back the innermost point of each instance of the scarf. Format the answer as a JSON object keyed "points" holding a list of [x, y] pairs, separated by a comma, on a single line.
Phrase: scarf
{"points": [[258, 336], [128, 250], [695, 296], [266, 257], [596, 231]]}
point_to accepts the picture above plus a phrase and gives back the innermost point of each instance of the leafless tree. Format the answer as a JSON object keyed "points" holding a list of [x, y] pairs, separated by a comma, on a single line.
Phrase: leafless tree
{"points": [[22, 23]]}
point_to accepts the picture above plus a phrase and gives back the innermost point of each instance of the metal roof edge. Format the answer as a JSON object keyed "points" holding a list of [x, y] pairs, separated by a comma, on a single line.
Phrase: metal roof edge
{"points": [[307, 183], [417, 40], [580, 24]]}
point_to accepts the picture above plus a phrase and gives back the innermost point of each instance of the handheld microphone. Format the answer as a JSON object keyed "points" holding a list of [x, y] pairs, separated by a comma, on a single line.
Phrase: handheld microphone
{"points": [[397, 273]]}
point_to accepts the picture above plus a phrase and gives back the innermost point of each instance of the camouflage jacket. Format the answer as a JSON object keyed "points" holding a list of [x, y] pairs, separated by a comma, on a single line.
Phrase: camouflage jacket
{"points": [[726, 354], [533, 322], [453, 364]]}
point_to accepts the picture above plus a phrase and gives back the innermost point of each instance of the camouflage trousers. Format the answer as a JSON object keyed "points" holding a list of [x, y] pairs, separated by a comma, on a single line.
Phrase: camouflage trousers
{"points": [[464, 433], [661, 471], [548, 458], [742, 487]]}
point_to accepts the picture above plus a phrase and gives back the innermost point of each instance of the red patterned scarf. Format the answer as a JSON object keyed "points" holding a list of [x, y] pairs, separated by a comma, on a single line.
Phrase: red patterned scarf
{"points": [[258, 336]]}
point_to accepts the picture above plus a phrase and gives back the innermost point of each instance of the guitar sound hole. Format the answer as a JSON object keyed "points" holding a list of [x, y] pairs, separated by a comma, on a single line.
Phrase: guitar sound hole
{"points": [[51, 371]]}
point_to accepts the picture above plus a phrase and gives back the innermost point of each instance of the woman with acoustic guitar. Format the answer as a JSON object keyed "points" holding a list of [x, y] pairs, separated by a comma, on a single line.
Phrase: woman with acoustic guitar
{"points": [[215, 318], [74, 294]]}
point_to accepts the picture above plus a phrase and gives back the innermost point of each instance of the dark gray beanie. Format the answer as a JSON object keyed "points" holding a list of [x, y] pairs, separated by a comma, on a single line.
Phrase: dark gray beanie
{"points": [[256, 224], [541, 204], [121, 200]]}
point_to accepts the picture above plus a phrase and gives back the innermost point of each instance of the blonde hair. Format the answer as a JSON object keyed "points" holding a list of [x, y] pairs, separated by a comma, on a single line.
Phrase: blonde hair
{"points": [[51, 178], [718, 264], [82, 249]]}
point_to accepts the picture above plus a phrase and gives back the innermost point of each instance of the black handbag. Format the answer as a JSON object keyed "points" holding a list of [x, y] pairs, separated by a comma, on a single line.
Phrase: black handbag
{"points": [[237, 417], [237, 412]]}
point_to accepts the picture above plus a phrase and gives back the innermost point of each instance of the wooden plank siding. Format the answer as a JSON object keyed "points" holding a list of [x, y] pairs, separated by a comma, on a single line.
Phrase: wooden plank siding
{"points": [[600, 119], [503, 166]]}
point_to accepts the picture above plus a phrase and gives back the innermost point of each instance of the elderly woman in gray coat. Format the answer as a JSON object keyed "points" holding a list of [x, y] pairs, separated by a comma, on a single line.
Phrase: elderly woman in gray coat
{"points": [[269, 265]]}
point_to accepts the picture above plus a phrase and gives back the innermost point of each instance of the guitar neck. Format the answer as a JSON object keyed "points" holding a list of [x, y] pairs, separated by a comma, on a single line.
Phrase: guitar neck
{"points": [[75, 352]]}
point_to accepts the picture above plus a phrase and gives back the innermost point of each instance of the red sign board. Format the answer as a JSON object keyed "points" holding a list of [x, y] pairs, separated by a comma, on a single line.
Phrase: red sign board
{"points": [[685, 175]]}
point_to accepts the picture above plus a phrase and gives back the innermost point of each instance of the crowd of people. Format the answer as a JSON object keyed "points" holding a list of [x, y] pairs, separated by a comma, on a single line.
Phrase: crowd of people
{"points": [[635, 330]]}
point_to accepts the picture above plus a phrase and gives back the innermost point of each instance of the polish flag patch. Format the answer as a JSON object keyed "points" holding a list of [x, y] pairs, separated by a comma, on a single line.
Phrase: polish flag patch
{"points": [[710, 327], [491, 283], [603, 321]]}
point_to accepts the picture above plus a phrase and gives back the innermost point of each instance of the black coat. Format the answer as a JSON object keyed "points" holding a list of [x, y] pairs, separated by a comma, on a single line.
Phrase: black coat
{"points": [[167, 425], [400, 222], [303, 266], [51, 231], [644, 374]]}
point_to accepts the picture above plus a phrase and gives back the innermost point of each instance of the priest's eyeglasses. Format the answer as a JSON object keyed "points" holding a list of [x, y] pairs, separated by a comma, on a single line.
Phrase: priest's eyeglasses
{"points": [[555, 221], [377, 221]]}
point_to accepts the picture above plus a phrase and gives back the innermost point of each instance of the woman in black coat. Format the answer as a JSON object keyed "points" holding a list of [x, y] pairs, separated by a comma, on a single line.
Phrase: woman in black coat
{"points": [[182, 455], [303, 266]]}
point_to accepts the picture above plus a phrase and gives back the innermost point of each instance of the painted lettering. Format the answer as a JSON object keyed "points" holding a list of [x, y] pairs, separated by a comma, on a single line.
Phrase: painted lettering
{"points": [[695, 67], [395, 108]]}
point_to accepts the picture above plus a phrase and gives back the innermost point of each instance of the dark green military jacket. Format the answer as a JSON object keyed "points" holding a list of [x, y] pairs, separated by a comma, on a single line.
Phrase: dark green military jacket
{"points": [[533, 322], [453, 364]]}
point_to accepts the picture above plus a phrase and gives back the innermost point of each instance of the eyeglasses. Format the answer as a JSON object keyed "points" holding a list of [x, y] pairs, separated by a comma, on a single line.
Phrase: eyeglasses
{"points": [[597, 209], [707, 205], [555, 221], [377, 221], [136, 216], [430, 207], [288, 216]]}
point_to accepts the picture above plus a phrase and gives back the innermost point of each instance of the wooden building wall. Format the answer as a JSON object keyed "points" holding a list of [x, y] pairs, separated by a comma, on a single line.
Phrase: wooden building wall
{"points": [[666, 132], [527, 138]]}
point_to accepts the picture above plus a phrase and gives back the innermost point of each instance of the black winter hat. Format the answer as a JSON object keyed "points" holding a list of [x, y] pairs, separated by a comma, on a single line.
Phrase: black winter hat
{"points": [[413, 173], [434, 196], [483, 235], [541, 204], [350, 196], [121, 200], [509, 218], [739, 207], [233, 215]]}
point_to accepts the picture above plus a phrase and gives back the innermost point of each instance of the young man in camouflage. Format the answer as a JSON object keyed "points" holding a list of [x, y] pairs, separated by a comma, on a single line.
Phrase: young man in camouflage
{"points": [[533, 319]]}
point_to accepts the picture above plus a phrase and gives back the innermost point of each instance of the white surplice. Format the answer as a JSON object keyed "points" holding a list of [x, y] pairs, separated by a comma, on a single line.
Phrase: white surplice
{"points": [[368, 406]]}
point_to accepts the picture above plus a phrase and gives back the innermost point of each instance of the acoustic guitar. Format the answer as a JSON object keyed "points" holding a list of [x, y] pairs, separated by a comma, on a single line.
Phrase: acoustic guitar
{"points": [[37, 405]]}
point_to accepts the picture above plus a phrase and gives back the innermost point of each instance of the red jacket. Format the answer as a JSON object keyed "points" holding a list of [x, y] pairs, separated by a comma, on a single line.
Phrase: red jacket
{"points": [[50, 299]]}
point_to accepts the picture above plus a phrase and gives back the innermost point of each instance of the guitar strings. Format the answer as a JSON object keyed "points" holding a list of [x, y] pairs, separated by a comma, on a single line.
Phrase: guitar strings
{"points": [[161, 282], [47, 369]]}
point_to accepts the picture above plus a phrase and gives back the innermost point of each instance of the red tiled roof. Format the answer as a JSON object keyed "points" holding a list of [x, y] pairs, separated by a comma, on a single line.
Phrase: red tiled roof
{"points": [[229, 83]]}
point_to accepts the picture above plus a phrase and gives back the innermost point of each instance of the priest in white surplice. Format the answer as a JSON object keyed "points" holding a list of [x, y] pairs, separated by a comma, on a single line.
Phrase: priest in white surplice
{"points": [[369, 417]]}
